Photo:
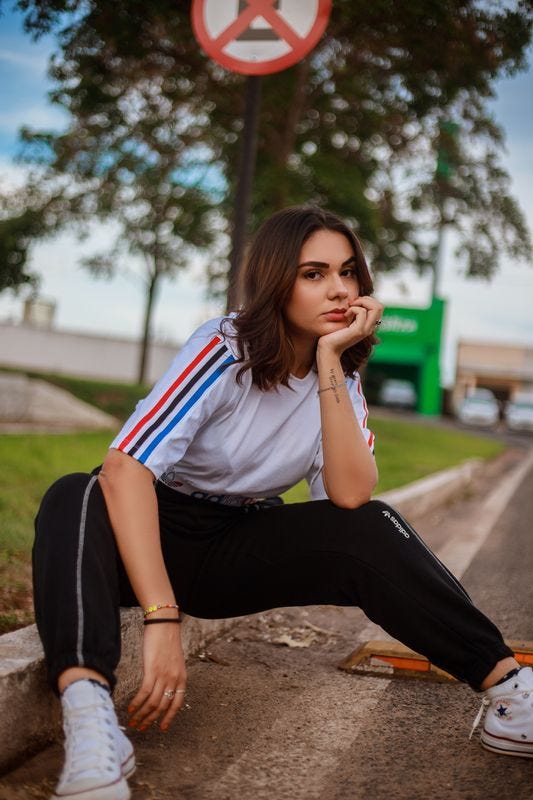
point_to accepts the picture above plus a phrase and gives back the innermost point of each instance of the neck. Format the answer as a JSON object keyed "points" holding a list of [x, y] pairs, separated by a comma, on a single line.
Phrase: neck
{"points": [[304, 358]]}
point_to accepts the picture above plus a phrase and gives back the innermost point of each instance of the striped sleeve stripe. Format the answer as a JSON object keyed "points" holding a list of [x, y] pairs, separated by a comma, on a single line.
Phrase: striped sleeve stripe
{"points": [[361, 395], [365, 409], [185, 408], [182, 395], [163, 399]]}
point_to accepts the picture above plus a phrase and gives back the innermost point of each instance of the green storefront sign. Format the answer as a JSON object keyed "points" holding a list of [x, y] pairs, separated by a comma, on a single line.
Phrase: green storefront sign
{"points": [[409, 349]]}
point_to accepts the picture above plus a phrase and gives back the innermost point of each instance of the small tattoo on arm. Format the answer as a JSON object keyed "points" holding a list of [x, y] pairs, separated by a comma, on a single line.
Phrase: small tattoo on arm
{"points": [[334, 385]]}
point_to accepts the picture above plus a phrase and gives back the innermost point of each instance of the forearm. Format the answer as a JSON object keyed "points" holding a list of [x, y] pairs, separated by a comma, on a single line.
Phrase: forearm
{"points": [[132, 506], [349, 471]]}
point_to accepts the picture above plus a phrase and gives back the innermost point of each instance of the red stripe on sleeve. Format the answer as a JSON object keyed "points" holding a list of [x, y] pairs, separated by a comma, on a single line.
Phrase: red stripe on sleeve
{"points": [[371, 440], [361, 395], [188, 369]]}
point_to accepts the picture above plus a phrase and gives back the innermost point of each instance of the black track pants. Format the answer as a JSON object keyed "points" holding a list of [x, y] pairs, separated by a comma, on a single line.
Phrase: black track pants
{"points": [[226, 562]]}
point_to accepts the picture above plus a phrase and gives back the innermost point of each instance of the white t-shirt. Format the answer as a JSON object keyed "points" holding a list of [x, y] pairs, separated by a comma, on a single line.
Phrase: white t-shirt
{"points": [[199, 428]]}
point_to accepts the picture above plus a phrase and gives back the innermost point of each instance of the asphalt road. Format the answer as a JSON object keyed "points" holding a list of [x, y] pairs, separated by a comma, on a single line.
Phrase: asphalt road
{"points": [[267, 720]]}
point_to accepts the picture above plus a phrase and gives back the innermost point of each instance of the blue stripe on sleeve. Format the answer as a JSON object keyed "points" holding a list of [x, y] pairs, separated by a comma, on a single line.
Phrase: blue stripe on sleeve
{"points": [[184, 409]]}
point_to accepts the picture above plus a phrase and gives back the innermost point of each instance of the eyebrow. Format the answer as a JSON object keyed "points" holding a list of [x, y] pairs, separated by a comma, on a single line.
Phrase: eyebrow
{"points": [[324, 264]]}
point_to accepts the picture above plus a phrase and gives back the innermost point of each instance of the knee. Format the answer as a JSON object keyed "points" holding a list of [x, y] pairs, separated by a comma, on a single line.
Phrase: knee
{"points": [[65, 492], [386, 525], [389, 518], [374, 510]]}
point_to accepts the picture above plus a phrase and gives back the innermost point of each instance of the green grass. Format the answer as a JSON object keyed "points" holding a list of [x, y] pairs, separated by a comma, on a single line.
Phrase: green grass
{"points": [[406, 451], [30, 463]]}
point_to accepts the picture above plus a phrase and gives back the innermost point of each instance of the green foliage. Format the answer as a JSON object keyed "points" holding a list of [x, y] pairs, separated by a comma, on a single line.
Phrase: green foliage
{"points": [[16, 234], [154, 133]]}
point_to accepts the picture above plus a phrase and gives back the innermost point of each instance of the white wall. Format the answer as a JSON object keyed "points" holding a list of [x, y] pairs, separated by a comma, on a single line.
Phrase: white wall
{"points": [[80, 354]]}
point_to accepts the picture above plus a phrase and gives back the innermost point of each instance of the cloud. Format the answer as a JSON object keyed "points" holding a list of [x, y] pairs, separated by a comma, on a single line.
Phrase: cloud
{"points": [[35, 116], [35, 62], [12, 176]]}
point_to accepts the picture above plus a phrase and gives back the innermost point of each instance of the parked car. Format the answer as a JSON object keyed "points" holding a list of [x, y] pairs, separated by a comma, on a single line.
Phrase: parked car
{"points": [[397, 393], [519, 413], [479, 408]]}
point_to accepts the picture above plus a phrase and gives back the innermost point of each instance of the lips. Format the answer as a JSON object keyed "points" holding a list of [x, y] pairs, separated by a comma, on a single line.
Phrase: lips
{"points": [[336, 314]]}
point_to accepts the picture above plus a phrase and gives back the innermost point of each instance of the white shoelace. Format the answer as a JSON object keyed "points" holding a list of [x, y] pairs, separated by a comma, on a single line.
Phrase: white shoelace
{"points": [[484, 704], [90, 743]]}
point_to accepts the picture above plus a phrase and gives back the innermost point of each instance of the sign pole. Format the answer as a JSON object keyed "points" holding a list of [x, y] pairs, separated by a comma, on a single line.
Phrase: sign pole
{"points": [[243, 191], [254, 38]]}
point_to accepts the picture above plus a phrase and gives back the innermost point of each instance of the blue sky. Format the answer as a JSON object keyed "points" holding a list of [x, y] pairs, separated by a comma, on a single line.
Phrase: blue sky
{"points": [[499, 311]]}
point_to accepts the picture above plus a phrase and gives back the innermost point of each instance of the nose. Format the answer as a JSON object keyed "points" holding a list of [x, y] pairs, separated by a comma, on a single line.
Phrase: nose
{"points": [[336, 287]]}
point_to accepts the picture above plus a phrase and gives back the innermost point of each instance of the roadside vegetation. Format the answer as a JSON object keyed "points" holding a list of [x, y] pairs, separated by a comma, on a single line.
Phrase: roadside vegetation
{"points": [[405, 451]]}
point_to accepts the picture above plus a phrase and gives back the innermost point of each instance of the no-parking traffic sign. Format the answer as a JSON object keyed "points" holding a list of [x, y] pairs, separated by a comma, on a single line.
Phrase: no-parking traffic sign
{"points": [[257, 37]]}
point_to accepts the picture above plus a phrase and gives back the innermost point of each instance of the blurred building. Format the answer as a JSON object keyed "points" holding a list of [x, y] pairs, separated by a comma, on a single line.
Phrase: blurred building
{"points": [[39, 313], [504, 369]]}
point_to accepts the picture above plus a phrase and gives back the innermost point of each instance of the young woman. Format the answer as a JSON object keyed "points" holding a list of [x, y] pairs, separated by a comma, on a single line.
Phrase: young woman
{"points": [[185, 512]]}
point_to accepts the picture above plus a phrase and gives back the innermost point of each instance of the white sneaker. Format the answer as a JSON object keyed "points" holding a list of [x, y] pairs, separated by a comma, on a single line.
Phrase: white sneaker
{"points": [[508, 726], [98, 756]]}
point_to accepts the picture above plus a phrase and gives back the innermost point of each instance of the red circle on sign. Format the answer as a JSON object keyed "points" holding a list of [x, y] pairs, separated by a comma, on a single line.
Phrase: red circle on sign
{"points": [[300, 46]]}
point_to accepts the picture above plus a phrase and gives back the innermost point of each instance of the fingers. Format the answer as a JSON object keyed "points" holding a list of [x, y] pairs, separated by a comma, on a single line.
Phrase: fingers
{"points": [[368, 313], [360, 320], [162, 691], [174, 706], [161, 702]]}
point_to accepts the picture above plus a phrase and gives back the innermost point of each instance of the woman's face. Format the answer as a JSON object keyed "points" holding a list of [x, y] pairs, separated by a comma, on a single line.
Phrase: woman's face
{"points": [[325, 285]]}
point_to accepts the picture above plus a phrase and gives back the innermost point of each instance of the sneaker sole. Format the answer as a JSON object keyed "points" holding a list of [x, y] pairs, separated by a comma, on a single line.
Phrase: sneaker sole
{"points": [[116, 791], [129, 766], [506, 747]]}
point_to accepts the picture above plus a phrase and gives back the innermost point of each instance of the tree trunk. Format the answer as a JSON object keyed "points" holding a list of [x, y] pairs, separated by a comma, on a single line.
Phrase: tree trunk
{"points": [[146, 337], [294, 114], [243, 192]]}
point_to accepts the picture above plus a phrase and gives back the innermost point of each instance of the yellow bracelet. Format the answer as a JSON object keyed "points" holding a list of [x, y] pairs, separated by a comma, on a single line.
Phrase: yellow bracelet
{"points": [[335, 386], [158, 606]]}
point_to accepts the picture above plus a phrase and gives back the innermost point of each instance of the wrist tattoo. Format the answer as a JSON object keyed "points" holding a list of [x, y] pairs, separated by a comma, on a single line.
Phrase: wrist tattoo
{"points": [[333, 385]]}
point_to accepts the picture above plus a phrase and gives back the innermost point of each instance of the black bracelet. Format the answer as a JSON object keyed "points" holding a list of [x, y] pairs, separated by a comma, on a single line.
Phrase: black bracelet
{"points": [[176, 620]]}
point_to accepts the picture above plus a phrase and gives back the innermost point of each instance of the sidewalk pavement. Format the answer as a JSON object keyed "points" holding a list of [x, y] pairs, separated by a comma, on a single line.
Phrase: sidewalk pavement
{"points": [[270, 717], [29, 713]]}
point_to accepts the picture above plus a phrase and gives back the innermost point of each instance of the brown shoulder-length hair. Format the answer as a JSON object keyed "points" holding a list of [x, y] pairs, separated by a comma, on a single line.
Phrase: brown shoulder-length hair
{"points": [[266, 284]]}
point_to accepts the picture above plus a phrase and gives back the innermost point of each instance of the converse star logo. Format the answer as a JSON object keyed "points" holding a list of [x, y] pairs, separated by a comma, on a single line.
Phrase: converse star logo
{"points": [[396, 524], [502, 711]]}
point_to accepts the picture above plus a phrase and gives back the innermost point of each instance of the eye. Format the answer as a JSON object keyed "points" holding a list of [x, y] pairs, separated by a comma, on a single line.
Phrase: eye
{"points": [[349, 272], [313, 275]]}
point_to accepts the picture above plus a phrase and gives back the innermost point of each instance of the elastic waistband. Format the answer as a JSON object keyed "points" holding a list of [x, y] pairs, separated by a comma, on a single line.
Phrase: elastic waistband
{"points": [[223, 499]]}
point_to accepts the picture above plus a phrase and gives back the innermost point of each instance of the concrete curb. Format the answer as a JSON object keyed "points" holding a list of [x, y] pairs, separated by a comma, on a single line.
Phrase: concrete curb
{"points": [[29, 712], [436, 490]]}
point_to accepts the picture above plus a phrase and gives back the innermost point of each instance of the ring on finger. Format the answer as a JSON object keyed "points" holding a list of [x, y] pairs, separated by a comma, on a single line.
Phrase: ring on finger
{"points": [[169, 693]]}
